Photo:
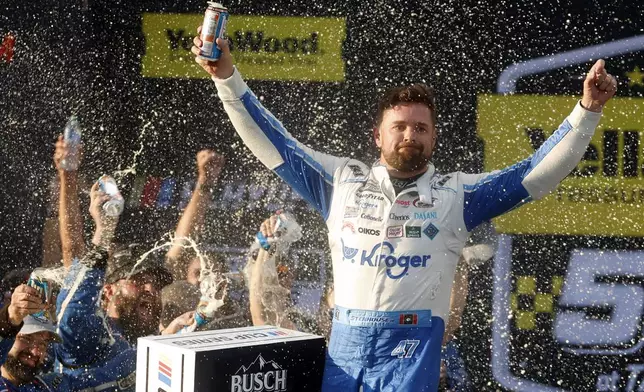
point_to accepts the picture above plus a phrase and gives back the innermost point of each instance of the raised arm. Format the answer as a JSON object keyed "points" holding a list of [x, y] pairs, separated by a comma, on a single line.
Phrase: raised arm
{"points": [[80, 324], [264, 285], [486, 196], [308, 172], [209, 165], [69, 218]]}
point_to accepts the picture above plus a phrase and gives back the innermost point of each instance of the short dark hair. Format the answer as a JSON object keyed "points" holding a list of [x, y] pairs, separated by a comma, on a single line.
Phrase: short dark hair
{"points": [[415, 93], [124, 258]]}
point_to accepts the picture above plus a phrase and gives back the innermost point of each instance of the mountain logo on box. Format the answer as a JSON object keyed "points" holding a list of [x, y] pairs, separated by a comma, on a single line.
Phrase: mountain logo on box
{"points": [[259, 376]]}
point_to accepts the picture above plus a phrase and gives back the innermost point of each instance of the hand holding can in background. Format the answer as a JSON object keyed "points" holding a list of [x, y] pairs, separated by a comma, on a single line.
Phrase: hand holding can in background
{"points": [[97, 199], [180, 323], [25, 300], [281, 228], [103, 214], [113, 206], [213, 287]]}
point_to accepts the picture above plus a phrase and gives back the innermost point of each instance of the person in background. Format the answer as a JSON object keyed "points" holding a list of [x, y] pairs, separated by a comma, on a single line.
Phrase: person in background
{"points": [[27, 353], [105, 303], [270, 284], [181, 261], [26, 339], [184, 262], [70, 221]]}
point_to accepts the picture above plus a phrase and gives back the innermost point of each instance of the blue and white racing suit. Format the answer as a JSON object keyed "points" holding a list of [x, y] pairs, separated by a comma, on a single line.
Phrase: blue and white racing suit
{"points": [[90, 339], [394, 255]]}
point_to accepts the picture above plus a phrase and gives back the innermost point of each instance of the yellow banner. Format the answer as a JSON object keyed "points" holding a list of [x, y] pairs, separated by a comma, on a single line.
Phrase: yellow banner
{"points": [[263, 47], [605, 193]]}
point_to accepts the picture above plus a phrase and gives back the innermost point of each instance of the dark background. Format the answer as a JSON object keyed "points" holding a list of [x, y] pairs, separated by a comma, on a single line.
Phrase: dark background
{"points": [[84, 56]]}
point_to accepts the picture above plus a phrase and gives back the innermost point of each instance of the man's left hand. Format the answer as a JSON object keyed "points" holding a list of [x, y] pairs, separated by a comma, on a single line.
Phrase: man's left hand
{"points": [[599, 87]]}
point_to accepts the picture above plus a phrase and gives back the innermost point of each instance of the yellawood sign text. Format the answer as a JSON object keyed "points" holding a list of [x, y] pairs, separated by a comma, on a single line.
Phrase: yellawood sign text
{"points": [[263, 47]]}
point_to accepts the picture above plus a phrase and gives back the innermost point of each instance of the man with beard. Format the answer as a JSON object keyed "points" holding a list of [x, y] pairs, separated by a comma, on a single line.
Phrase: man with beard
{"points": [[105, 304], [24, 347], [132, 293], [26, 357], [397, 228], [97, 330]]}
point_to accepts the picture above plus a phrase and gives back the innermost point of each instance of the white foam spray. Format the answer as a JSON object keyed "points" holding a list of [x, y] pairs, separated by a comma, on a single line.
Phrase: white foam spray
{"points": [[120, 174]]}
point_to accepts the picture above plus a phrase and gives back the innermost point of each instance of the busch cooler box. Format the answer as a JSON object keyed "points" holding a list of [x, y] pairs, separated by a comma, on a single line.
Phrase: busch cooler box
{"points": [[248, 359]]}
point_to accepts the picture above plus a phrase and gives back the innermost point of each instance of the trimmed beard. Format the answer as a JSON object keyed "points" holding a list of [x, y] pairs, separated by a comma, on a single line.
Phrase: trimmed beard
{"points": [[20, 371], [407, 161]]}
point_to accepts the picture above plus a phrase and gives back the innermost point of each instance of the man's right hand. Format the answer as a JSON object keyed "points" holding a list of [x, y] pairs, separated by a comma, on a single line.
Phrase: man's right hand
{"points": [[267, 228], [222, 68], [105, 224], [25, 300], [209, 165], [97, 199]]}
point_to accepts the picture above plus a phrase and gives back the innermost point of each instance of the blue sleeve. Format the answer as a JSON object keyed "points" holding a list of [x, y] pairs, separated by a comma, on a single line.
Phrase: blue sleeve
{"points": [[306, 171], [309, 172], [495, 194], [117, 374], [489, 195], [84, 332]]}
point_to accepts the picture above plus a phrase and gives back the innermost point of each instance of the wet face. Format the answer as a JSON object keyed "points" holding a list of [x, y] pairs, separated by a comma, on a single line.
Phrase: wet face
{"points": [[27, 356], [137, 303], [194, 271], [406, 137]]}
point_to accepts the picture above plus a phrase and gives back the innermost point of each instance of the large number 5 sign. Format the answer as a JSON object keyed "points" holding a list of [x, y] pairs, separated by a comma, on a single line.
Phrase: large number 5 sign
{"points": [[602, 303]]}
